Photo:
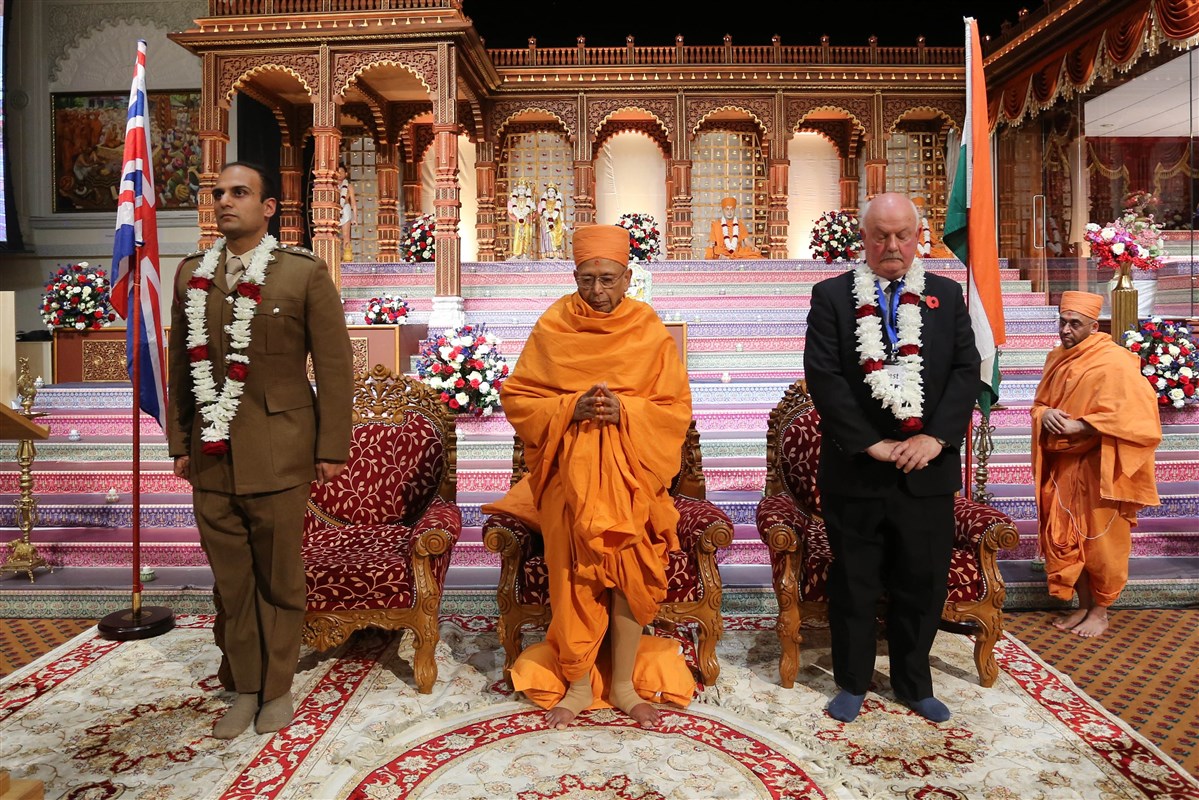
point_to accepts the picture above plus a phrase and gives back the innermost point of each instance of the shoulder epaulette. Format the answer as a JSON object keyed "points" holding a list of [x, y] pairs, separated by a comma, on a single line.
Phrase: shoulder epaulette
{"points": [[300, 251]]}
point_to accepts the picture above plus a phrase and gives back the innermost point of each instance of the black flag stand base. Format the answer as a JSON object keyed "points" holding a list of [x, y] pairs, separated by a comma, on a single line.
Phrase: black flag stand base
{"points": [[139, 622]]}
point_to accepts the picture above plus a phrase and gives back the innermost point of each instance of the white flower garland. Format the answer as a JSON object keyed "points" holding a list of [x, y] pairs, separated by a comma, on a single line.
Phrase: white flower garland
{"points": [[730, 242], [905, 401], [219, 410]]}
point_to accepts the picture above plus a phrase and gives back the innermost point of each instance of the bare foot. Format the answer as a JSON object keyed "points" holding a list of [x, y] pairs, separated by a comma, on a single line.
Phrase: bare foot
{"points": [[1067, 622], [646, 716], [1093, 625], [558, 717]]}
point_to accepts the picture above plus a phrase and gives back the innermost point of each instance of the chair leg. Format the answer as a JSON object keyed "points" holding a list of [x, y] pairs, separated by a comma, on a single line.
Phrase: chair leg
{"points": [[787, 628], [710, 631], [508, 631], [424, 665], [984, 649]]}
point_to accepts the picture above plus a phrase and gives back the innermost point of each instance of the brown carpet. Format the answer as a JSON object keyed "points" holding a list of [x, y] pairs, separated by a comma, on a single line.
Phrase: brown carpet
{"points": [[1142, 670]]}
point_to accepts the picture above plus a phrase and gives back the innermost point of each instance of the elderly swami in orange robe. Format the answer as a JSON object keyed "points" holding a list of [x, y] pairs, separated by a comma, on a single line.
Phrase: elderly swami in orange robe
{"points": [[1095, 428], [601, 400]]}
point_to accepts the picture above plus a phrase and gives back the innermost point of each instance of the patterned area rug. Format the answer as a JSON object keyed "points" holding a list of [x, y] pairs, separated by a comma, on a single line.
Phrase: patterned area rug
{"points": [[1138, 670], [97, 719]]}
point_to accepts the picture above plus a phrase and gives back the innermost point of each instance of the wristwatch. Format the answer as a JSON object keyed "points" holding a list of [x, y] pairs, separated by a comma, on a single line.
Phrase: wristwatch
{"points": [[941, 441]]}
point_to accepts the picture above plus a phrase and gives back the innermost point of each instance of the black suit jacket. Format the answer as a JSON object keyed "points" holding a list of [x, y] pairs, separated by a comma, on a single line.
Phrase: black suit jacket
{"points": [[851, 420]]}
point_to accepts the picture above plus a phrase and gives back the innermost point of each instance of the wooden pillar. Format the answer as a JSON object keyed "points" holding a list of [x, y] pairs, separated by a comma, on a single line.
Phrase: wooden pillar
{"points": [[485, 223], [876, 177], [291, 218], [447, 207], [410, 176], [678, 226], [448, 308], [214, 141], [876, 150], [584, 193], [849, 183], [776, 215], [387, 181], [326, 205]]}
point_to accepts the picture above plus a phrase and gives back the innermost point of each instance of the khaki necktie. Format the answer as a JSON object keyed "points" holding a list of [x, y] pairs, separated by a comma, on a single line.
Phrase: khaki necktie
{"points": [[233, 271]]}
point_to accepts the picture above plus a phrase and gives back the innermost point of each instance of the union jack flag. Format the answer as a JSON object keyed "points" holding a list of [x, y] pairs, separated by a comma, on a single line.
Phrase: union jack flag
{"points": [[135, 253]]}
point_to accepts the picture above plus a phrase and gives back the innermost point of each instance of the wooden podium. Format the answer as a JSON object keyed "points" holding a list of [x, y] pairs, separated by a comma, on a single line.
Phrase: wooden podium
{"points": [[14, 427]]}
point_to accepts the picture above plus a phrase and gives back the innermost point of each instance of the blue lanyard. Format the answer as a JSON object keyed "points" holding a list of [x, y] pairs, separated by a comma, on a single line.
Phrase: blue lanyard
{"points": [[890, 311]]}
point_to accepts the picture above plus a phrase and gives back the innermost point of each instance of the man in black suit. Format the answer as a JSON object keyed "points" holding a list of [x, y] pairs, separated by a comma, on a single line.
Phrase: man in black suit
{"points": [[891, 365]]}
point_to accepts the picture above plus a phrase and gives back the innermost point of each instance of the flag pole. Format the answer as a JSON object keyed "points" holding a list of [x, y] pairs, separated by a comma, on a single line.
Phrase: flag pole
{"points": [[138, 621]]}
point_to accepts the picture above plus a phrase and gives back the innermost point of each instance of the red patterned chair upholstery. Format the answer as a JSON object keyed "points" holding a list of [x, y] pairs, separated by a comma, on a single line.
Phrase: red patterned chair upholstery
{"points": [[693, 590], [378, 539], [790, 524]]}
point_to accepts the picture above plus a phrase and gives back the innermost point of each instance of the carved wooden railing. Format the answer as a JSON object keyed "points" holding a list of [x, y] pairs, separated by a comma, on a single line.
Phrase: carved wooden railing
{"points": [[741, 55], [237, 8]]}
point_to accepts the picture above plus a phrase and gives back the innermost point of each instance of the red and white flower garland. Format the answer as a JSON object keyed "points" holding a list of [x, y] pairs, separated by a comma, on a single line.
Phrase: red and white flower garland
{"points": [[905, 400], [731, 238], [218, 410]]}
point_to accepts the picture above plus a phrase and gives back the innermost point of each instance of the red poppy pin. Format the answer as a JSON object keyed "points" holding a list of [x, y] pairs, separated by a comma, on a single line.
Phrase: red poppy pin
{"points": [[931, 301]]}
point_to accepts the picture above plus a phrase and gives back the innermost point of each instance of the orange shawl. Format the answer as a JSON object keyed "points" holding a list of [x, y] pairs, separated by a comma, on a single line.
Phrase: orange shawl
{"points": [[615, 479], [1100, 382]]}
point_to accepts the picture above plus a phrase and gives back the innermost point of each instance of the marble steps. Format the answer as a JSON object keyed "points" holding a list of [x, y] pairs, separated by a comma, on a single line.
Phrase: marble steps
{"points": [[1023, 334], [949, 266], [735, 463], [168, 537], [1179, 502], [115, 422], [1031, 318], [694, 284], [706, 392], [491, 304]]}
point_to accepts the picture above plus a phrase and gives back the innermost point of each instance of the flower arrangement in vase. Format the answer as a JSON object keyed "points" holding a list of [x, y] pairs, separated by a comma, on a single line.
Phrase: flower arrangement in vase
{"points": [[418, 245], [465, 366], [835, 237], [1169, 360], [1130, 242], [386, 310], [645, 240], [77, 297]]}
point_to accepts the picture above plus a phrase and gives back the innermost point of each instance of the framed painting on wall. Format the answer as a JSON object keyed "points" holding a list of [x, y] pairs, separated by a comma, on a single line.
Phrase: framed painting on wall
{"points": [[89, 142]]}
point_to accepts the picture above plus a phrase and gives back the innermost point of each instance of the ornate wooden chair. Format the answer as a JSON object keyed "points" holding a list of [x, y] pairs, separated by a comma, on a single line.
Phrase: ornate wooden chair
{"points": [[790, 524], [693, 589], [378, 539]]}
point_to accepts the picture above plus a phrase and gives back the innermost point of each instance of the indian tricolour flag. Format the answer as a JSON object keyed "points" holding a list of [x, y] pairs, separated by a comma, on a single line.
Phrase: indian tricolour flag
{"points": [[970, 223]]}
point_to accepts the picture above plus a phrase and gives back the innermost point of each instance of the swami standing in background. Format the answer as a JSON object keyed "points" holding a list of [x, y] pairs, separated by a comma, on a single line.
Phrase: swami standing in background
{"points": [[1095, 428], [246, 430]]}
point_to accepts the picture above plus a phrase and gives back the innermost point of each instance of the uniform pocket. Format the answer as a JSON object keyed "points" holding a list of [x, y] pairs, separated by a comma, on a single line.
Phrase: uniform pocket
{"points": [[282, 325]]}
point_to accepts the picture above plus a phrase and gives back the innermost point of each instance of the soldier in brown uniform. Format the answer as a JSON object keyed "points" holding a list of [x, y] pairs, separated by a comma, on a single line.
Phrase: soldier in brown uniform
{"points": [[247, 430]]}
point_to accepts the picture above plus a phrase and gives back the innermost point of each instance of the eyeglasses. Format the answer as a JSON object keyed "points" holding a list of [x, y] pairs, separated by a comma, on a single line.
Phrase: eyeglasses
{"points": [[605, 281]]}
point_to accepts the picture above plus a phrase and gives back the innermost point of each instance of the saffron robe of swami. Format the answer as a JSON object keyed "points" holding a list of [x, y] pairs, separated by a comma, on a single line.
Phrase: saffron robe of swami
{"points": [[599, 494], [1089, 487]]}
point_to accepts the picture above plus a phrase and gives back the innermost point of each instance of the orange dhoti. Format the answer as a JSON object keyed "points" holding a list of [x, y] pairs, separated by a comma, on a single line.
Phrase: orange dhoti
{"points": [[598, 493], [1081, 530], [1090, 485]]}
